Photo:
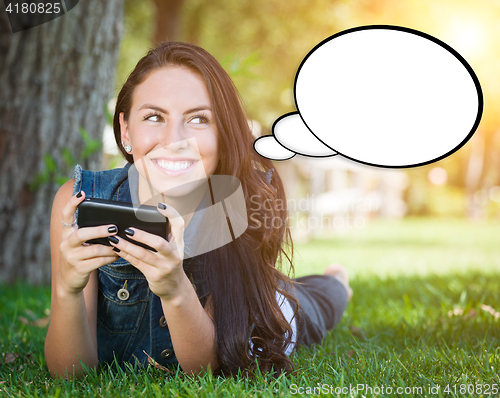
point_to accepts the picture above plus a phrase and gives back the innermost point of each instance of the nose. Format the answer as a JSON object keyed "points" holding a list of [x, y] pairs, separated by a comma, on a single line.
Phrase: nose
{"points": [[176, 146], [174, 138]]}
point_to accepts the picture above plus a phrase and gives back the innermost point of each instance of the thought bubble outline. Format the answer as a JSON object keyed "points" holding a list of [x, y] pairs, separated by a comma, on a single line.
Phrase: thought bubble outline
{"points": [[425, 36], [449, 49], [299, 153], [272, 136]]}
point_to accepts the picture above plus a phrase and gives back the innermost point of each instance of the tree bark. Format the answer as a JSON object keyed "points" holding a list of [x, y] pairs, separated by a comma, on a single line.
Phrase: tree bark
{"points": [[167, 20], [54, 79]]}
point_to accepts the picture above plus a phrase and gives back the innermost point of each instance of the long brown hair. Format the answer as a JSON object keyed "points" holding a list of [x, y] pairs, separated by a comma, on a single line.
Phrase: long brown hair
{"points": [[243, 276]]}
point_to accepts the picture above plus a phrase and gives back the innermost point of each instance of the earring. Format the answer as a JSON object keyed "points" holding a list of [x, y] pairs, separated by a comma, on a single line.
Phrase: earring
{"points": [[127, 148]]}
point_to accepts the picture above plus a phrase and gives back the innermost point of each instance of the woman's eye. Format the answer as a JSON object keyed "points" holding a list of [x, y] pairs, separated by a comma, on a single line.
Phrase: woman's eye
{"points": [[199, 120], [153, 118]]}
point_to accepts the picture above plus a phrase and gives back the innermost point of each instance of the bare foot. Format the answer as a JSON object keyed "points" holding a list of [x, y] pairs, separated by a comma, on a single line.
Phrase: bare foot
{"points": [[338, 271]]}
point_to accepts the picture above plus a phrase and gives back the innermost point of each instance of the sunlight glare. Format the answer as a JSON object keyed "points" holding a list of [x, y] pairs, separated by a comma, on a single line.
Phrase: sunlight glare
{"points": [[467, 36]]}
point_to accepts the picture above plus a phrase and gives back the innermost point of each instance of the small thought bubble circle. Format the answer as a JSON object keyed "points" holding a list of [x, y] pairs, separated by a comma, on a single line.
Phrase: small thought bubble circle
{"points": [[381, 95], [268, 147]]}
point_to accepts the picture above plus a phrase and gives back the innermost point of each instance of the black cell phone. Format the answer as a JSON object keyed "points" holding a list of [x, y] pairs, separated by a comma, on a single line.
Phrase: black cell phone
{"points": [[95, 212]]}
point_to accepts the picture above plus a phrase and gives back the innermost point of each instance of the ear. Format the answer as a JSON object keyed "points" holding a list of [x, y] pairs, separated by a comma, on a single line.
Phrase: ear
{"points": [[124, 130]]}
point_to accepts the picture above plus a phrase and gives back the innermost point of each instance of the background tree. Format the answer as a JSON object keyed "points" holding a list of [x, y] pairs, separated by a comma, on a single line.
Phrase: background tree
{"points": [[55, 80], [168, 19]]}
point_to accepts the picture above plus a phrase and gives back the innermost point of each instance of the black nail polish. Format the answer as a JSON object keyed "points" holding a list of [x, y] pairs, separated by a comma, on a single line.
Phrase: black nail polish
{"points": [[79, 194], [112, 229], [113, 239], [162, 206], [115, 249], [129, 232]]}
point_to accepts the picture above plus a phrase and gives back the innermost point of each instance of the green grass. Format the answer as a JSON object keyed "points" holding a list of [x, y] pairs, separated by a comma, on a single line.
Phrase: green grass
{"points": [[423, 315]]}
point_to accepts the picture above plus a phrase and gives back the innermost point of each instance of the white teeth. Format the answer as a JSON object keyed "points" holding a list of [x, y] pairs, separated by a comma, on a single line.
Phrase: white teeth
{"points": [[174, 166]]}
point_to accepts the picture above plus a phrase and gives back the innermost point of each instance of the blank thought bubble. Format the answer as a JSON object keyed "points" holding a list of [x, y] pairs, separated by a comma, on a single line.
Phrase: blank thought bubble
{"points": [[381, 95]]}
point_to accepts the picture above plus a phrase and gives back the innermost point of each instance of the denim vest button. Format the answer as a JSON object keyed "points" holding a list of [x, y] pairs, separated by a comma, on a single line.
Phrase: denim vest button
{"points": [[163, 322], [123, 294], [165, 354]]}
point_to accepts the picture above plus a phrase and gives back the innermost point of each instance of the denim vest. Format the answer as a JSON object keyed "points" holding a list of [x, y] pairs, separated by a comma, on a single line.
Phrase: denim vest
{"points": [[130, 320]]}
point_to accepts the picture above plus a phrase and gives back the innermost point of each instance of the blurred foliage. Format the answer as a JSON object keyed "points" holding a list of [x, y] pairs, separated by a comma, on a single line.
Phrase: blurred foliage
{"points": [[439, 200], [137, 39], [493, 209], [58, 174], [55, 172], [424, 198], [260, 43]]}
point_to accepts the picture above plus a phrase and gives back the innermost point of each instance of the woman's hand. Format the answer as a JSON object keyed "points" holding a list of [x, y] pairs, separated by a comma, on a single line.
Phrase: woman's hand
{"points": [[162, 269], [78, 259]]}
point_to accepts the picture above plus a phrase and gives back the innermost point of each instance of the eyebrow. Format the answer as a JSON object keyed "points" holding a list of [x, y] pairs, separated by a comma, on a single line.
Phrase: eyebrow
{"points": [[192, 110]]}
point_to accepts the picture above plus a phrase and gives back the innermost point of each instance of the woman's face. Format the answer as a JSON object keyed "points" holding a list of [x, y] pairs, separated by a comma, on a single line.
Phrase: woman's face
{"points": [[172, 131]]}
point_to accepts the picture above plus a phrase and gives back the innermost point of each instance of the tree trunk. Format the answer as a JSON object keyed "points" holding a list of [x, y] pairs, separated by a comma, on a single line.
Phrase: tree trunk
{"points": [[168, 15], [54, 80]]}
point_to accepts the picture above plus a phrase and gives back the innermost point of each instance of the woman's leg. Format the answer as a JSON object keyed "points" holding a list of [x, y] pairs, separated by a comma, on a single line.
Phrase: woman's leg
{"points": [[338, 271], [322, 301]]}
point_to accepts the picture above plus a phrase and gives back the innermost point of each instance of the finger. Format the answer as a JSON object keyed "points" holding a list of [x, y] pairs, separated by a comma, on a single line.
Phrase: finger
{"points": [[68, 212], [140, 265], [128, 250], [83, 253], [80, 236], [95, 251], [88, 258], [152, 240], [92, 264], [177, 224]]}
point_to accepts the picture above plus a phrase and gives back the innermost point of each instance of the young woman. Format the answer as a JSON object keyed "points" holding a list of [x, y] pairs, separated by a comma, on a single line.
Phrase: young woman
{"points": [[179, 119]]}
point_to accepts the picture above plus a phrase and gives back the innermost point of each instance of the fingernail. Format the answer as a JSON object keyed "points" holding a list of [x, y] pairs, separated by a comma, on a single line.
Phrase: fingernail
{"points": [[112, 229], [162, 206], [79, 194], [115, 249], [129, 232], [113, 239]]}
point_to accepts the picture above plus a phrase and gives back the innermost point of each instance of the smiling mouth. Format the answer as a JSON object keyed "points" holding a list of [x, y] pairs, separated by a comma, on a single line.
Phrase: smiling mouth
{"points": [[175, 166]]}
